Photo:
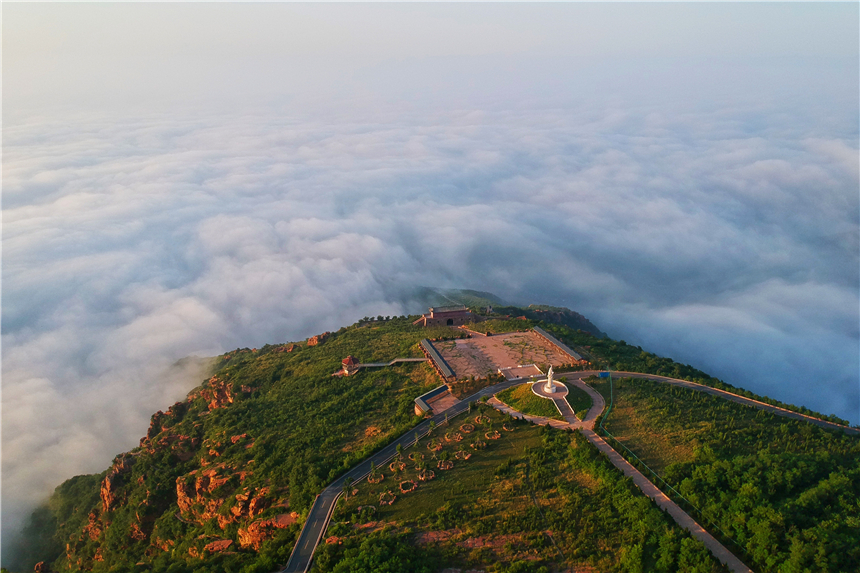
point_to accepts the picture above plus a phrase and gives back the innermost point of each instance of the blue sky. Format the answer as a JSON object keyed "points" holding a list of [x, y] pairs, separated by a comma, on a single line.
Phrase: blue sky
{"points": [[192, 178]]}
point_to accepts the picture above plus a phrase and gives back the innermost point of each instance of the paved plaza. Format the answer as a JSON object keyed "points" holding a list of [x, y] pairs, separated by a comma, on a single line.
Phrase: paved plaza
{"points": [[482, 355]]}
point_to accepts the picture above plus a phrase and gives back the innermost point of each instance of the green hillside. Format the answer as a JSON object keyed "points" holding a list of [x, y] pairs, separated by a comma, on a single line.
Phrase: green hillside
{"points": [[272, 427], [782, 493], [223, 481], [533, 499]]}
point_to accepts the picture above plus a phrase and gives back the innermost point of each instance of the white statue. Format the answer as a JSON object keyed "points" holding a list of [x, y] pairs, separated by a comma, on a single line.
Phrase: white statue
{"points": [[549, 388]]}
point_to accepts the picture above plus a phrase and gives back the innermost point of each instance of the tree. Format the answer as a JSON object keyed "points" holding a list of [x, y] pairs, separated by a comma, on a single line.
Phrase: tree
{"points": [[347, 486]]}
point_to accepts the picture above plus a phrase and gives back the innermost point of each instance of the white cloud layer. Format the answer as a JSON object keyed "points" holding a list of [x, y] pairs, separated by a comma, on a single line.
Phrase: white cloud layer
{"points": [[706, 209]]}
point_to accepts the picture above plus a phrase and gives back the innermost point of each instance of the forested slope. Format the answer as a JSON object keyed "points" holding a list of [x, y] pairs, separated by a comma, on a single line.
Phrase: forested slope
{"points": [[785, 493], [239, 461]]}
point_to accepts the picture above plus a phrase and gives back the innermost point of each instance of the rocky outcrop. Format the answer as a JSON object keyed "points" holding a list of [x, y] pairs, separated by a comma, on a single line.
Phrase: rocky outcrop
{"points": [[218, 546], [93, 529], [318, 339], [161, 421], [137, 533], [186, 495], [248, 505], [42, 567], [219, 394], [259, 531], [198, 497], [113, 481]]}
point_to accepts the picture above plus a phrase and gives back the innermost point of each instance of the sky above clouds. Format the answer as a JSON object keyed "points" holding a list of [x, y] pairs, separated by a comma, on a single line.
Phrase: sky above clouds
{"points": [[186, 179]]}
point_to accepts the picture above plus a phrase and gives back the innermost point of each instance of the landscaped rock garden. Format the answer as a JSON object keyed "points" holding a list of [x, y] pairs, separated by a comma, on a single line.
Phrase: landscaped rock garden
{"points": [[387, 498]]}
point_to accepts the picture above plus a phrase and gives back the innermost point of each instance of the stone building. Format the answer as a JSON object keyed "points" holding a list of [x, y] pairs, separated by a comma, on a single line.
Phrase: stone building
{"points": [[446, 316]]}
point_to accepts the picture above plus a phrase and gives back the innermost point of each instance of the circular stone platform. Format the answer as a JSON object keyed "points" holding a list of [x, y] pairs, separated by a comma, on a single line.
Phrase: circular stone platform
{"points": [[560, 390]]}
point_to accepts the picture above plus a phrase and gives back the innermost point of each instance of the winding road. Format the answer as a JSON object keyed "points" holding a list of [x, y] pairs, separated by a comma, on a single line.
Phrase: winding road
{"points": [[323, 506]]}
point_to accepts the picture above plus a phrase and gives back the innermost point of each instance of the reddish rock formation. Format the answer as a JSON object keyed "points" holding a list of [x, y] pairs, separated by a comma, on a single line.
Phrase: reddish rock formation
{"points": [[219, 394], [258, 505], [184, 493], [155, 424], [235, 439], [259, 531], [197, 500], [93, 528], [224, 520], [113, 481], [318, 339], [184, 447], [218, 546], [137, 533], [42, 567], [285, 520]]}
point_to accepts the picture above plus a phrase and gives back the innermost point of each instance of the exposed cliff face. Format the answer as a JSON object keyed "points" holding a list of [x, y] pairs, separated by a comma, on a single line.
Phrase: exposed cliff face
{"points": [[161, 421], [113, 481], [219, 394], [259, 531]]}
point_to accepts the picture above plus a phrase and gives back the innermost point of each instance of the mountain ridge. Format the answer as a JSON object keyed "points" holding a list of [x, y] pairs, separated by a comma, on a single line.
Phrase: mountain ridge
{"points": [[215, 468]]}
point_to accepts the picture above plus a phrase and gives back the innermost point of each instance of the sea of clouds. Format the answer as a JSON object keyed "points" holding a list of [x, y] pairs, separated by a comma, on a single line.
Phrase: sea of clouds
{"points": [[712, 221]]}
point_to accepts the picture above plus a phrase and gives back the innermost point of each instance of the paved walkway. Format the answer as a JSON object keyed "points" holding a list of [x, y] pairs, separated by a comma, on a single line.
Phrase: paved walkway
{"points": [[586, 426], [392, 363], [681, 517]]}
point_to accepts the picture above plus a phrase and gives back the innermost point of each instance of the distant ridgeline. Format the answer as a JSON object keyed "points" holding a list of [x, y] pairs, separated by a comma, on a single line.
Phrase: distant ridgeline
{"points": [[223, 480]]}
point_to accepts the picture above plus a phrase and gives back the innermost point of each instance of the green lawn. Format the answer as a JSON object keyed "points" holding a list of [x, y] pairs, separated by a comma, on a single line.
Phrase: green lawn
{"points": [[522, 399], [464, 483], [535, 500], [579, 400]]}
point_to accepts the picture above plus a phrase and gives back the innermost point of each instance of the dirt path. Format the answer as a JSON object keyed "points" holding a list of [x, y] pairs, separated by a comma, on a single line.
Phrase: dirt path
{"points": [[586, 426]]}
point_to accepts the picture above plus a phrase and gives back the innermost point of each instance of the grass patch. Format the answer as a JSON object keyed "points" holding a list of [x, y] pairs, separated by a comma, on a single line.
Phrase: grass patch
{"points": [[537, 499], [579, 400], [500, 325], [468, 480], [522, 399]]}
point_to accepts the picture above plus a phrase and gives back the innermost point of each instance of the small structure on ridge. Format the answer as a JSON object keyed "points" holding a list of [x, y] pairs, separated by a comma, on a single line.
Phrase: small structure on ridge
{"points": [[350, 365], [446, 316]]}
